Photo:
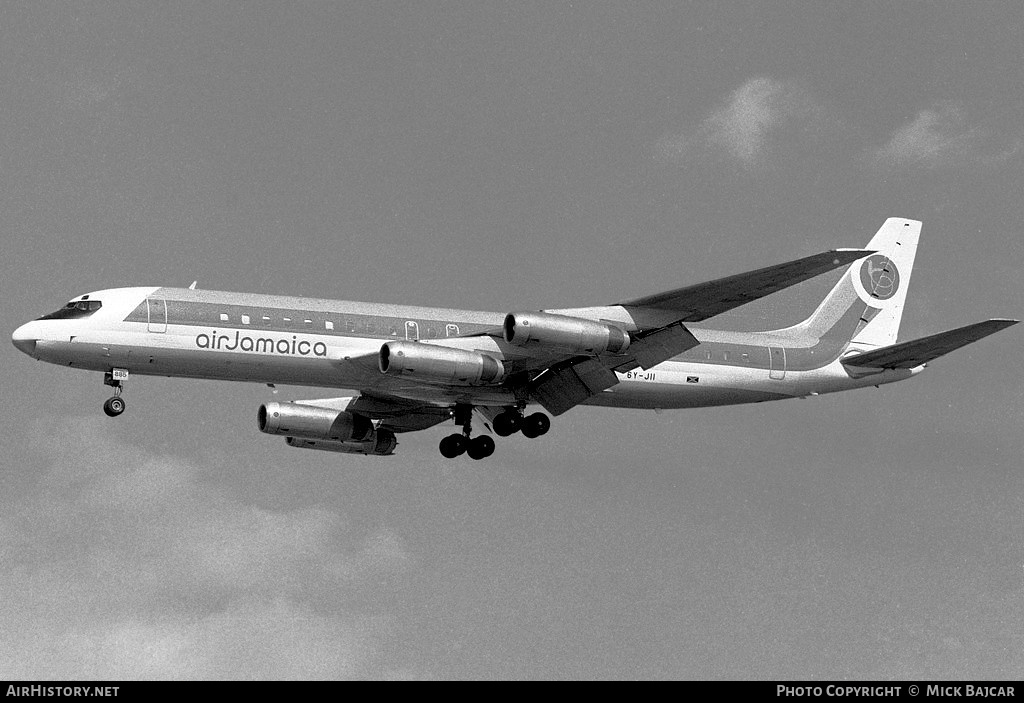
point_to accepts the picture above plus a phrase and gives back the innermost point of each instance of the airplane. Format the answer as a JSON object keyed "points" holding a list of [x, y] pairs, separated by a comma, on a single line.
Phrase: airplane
{"points": [[417, 367]]}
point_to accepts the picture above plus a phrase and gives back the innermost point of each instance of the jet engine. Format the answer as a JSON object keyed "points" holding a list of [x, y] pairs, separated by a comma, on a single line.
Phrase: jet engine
{"points": [[382, 443], [436, 364], [573, 334], [313, 422]]}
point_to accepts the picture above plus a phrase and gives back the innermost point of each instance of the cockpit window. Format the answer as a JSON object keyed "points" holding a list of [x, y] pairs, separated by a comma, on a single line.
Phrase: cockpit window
{"points": [[76, 308]]}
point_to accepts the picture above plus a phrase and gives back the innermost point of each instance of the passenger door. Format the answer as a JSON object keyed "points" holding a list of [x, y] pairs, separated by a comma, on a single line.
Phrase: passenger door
{"points": [[777, 363]]}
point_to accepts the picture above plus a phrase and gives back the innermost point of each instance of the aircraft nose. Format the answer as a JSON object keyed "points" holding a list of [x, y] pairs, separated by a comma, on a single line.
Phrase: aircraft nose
{"points": [[25, 339]]}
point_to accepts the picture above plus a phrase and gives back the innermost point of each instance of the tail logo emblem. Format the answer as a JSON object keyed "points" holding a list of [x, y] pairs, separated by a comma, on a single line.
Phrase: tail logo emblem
{"points": [[880, 277]]}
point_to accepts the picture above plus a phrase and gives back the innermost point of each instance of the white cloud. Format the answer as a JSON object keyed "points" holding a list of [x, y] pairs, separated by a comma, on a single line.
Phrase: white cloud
{"points": [[764, 116], [933, 137], [943, 135], [1011, 150], [123, 566], [247, 639], [744, 128]]}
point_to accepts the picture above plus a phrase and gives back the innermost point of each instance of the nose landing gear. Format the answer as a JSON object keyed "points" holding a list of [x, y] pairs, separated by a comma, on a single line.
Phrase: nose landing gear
{"points": [[114, 406]]}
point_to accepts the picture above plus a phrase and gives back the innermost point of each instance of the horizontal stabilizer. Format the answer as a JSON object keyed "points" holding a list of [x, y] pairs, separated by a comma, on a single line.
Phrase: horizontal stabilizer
{"points": [[908, 355], [704, 300]]}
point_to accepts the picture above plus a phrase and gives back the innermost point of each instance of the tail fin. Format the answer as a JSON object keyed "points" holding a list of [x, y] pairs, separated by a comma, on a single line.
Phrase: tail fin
{"points": [[867, 304]]}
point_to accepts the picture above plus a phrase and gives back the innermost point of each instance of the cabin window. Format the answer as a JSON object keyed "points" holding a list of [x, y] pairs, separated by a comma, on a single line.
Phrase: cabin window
{"points": [[308, 322], [707, 355], [328, 325], [746, 357], [452, 330], [245, 319], [350, 326], [223, 317]]}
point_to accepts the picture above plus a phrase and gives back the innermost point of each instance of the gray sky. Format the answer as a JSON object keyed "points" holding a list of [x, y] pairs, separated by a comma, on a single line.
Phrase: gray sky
{"points": [[505, 156]]}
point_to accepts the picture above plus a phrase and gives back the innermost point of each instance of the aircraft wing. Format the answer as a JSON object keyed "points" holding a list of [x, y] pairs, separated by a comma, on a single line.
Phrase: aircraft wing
{"points": [[560, 380], [662, 334], [704, 300], [908, 355]]}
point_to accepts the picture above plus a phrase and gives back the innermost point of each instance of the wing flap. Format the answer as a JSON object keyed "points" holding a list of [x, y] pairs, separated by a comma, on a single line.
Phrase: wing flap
{"points": [[660, 345], [704, 300], [564, 386], [908, 355]]}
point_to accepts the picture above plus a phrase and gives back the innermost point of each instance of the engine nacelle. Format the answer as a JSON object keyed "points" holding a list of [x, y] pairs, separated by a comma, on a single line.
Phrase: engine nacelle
{"points": [[573, 334], [313, 422], [383, 443], [436, 364]]}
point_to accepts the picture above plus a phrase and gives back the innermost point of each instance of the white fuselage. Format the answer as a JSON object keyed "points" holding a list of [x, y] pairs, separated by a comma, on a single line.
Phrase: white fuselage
{"points": [[333, 344]]}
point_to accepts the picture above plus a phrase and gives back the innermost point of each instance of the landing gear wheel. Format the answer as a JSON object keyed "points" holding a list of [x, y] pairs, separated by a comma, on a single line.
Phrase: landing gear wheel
{"points": [[480, 447], [507, 423], [453, 445], [536, 425], [114, 406]]}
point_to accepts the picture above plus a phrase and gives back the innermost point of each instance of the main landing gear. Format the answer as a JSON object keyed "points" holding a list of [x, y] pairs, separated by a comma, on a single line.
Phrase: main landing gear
{"points": [[455, 444], [477, 447], [512, 421], [505, 424], [114, 406]]}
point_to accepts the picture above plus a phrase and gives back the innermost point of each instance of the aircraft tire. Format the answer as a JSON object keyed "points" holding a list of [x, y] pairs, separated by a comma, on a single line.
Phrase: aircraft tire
{"points": [[536, 425], [480, 448], [507, 423], [452, 446], [114, 406]]}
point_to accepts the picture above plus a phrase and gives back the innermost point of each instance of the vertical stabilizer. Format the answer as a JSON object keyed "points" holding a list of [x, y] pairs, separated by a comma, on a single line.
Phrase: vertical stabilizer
{"points": [[881, 280], [866, 305]]}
